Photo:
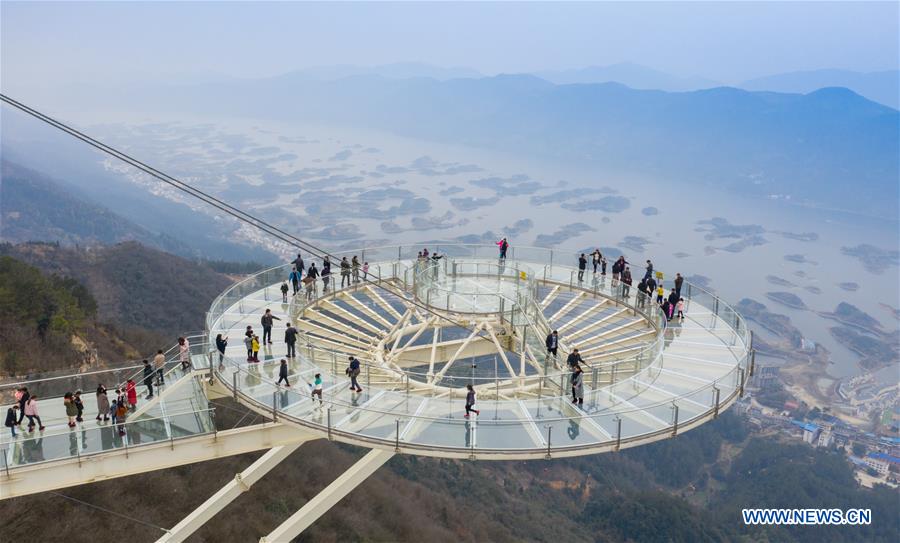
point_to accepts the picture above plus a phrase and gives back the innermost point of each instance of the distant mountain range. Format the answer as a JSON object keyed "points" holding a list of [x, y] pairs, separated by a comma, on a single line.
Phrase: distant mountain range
{"points": [[882, 87], [809, 148], [629, 74]]}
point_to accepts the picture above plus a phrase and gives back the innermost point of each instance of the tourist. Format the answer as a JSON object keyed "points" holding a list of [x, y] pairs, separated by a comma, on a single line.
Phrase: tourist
{"points": [[596, 257], [651, 287], [425, 253], [317, 389], [22, 397], [666, 309], [71, 410], [578, 386], [345, 272], [121, 416], [552, 343], [284, 291], [353, 371], [574, 359], [617, 268], [184, 353], [248, 342], [660, 292], [131, 392], [582, 265], [354, 263], [310, 281], [365, 270], [254, 346], [283, 373], [679, 280], [326, 274], [298, 264], [649, 272], [148, 379], [221, 345], [102, 403], [267, 321], [680, 309], [31, 411], [295, 276], [12, 418], [470, 401], [504, 247], [602, 265], [642, 293], [160, 362], [79, 406], [290, 339], [626, 282]]}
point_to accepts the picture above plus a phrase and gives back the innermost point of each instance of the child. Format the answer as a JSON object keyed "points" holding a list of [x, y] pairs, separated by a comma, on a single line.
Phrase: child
{"points": [[254, 344], [79, 405], [283, 373], [71, 410], [470, 402], [317, 389], [660, 292], [248, 341], [680, 309], [114, 411], [365, 271], [12, 418], [284, 291], [121, 415]]}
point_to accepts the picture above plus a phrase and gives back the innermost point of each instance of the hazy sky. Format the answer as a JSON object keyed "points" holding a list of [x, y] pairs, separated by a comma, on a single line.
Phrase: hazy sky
{"points": [[48, 43]]}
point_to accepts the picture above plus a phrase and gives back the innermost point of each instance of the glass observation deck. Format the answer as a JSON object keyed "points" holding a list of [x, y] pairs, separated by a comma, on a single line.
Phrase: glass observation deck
{"points": [[178, 410], [424, 329]]}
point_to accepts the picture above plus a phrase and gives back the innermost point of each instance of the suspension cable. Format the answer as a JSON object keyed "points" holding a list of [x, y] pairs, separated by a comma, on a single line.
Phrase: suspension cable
{"points": [[221, 205]]}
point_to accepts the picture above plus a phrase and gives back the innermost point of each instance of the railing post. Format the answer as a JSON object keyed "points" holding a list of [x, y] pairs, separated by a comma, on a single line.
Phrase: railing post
{"points": [[716, 399], [549, 433], [674, 419], [328, 418], [274, 406], [397, 438], [742, 382], [752, 361], [234, 384], [594, 372], [618, 432]]}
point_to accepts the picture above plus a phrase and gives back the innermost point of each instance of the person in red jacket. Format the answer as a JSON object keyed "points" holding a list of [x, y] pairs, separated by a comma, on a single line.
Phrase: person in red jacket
{"points": [[131, 392]]}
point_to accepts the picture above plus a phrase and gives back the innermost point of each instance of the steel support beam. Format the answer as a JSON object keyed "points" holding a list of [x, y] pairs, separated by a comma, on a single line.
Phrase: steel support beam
{"points": [[329, 497], [241, 483]]}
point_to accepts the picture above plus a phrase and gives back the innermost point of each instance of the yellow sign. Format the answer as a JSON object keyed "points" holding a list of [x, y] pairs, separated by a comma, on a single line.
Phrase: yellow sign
{"points": [[523, 275], [659, 275]]}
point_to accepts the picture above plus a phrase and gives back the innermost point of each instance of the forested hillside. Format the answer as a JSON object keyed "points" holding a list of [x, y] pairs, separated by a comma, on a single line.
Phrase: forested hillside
{"points": [[135, 286]]}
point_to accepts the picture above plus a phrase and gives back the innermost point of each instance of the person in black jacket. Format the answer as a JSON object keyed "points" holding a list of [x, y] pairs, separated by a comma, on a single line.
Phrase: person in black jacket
{"points": [[12, 419], [574, 359], [552, 343], [267, 321], [298, 263], [283, 373], [582, 265], [470, 401], [149, 372], [353, 371], [290, 339], [221, 344]]}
